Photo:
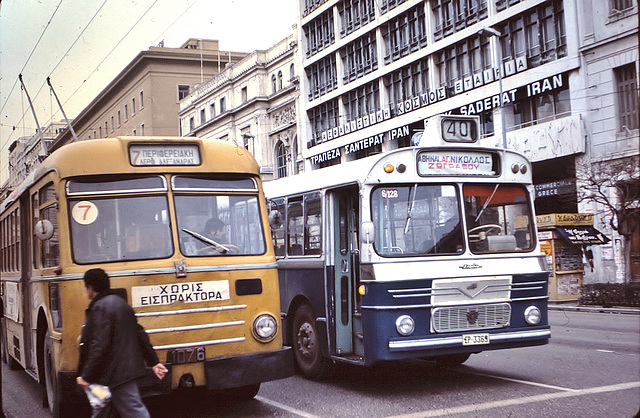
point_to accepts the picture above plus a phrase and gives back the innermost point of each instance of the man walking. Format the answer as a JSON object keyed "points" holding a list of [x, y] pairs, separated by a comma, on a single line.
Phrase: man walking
{"points": [[114, 347]]}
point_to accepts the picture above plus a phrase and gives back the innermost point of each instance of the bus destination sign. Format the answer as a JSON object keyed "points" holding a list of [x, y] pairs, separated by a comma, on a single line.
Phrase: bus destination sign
{"points": [[164, 154], [455, 163]]}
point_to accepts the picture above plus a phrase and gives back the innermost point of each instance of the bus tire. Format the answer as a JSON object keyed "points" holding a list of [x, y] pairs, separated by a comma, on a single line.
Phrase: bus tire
{"points": [[52, 396], [452, 360], [306, 344]]}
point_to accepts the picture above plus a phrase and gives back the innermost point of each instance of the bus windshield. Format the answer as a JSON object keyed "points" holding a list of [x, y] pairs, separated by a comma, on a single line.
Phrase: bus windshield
{"points": [[109, 229], [425, 219], [219, 225], [218, 216], [499, 218]]}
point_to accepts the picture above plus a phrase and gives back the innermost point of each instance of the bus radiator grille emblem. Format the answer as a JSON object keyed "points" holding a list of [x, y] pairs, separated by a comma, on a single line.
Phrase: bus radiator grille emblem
{"points": [[472, 317]]}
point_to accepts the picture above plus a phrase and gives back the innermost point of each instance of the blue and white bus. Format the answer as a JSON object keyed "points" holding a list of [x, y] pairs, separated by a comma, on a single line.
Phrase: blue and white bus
{"points": [[420, 252]]}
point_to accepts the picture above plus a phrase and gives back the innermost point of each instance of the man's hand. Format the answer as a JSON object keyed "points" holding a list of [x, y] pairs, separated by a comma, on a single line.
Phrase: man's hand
{"points": [[160, 371], [81, 382]]}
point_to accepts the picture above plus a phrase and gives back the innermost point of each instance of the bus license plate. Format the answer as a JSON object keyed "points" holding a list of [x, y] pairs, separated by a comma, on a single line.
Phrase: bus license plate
{"points": [[186, 355], [475, 339]]}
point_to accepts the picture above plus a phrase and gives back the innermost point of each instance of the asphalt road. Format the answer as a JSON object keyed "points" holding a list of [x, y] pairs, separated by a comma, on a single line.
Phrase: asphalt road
{"points": [[591, 368]]}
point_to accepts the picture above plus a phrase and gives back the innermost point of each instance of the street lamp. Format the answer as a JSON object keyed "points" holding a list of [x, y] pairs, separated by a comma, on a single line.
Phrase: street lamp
{"points": [[496, 33]]}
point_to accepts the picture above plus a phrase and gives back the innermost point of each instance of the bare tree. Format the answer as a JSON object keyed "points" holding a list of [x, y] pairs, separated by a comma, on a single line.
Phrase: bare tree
{"points": [[614, 185]]}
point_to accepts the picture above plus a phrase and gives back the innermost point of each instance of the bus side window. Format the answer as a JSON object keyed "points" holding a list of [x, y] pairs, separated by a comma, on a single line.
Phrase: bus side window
{"points": [[46, 253], [295, 230], [313, 224], [276, 221]]}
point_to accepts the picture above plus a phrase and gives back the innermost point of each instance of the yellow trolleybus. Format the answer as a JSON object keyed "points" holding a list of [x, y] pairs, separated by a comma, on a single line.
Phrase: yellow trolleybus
{"points": [[142, 208]]}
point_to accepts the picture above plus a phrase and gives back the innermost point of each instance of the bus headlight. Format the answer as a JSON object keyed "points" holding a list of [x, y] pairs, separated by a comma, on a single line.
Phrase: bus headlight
{"points": [[405, 325], [265, 328], [532, 315]]}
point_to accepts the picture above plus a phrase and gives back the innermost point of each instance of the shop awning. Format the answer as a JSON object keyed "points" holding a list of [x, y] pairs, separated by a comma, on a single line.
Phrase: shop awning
{"points": [[582, 235]]}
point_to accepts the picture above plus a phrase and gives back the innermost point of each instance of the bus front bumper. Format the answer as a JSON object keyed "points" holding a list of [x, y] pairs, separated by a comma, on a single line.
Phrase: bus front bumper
{"points": [[221, 373], [249, 369], [498, 340]]}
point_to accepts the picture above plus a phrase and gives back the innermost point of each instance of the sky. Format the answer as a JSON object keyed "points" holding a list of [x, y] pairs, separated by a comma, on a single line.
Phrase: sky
{"points": [[83, 44]]}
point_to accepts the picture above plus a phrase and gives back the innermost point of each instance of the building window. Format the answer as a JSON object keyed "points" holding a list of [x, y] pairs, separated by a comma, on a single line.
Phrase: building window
{"points": [[113, 124], [135, 132], [359, 57], [212, 110], [463, 59], [141, 100], [319, 33], [203, 117], [620, 5], [273, 84], [243, 94], [323, 77], [354, 14], [192, 124], [322, 118], [451, 16], [100, 131], [126, 112], [281, 160], [404, 34], [142, 129], [106, 129], [310, 5], [119, 119], [627, 86], [183, 91], [223, 105], [133, 106], [407, 82], [539, 35], [541, 108], [292, 72], [362, 101], [386, 5], [279, 80], [503, 4]]}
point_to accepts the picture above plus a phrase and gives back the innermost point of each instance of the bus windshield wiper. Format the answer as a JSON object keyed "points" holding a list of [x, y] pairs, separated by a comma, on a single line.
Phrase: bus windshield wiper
{"points": [[486, 203], [206, 240], [410, 209]]}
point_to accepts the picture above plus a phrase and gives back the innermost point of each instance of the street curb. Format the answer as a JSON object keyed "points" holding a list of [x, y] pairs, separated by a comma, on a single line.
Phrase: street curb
{"points": [[596, 309]]}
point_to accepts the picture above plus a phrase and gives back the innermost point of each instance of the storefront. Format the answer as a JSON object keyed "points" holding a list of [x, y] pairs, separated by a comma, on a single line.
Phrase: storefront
{"points": [[563, 238]]}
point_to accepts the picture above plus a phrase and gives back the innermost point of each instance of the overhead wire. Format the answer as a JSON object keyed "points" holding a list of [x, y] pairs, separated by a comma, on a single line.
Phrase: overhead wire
{"points": [[6, 141]]}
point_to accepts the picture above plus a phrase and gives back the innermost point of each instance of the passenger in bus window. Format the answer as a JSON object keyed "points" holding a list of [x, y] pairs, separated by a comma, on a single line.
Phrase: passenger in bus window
{"points": [[214, 229]]}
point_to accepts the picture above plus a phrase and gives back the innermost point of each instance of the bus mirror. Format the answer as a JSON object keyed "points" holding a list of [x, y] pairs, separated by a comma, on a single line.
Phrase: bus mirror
{"points": [[367, 233], [44, 229], [275, 219]]}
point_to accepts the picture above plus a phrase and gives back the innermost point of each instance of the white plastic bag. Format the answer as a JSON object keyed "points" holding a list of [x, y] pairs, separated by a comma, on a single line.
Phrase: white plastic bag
{"points": [[98, 395]]}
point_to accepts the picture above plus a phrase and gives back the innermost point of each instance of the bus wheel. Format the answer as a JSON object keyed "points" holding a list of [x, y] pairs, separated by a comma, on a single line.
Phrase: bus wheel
{"points": [[306, 344], [49, 373], [243, 393], [452, 360], [52, 398]]}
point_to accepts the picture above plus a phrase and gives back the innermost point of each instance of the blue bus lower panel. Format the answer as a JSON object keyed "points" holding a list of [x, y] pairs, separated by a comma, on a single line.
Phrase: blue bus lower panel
{"points": [[380, 311]]}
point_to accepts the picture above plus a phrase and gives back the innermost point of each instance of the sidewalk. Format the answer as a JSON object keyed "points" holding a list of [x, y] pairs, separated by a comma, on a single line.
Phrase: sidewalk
{"points": [[573, 306]]}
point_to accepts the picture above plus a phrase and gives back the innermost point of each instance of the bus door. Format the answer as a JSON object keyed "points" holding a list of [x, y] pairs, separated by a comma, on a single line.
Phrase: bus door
{"points": [[345, 254]]}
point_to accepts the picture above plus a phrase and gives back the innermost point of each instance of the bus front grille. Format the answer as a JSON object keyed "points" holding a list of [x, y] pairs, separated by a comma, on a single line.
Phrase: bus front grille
{"points": [[473, 317]]}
